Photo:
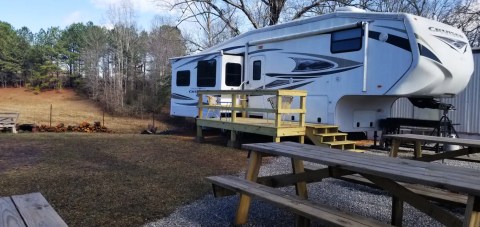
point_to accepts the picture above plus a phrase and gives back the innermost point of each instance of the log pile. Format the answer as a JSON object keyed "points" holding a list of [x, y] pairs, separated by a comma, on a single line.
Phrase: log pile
{"points": [[82, 127]]}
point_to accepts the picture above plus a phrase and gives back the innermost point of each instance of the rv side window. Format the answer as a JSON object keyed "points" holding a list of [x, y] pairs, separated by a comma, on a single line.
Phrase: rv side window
{"points": [[233, 74], [183, 78], [257, 70], [346, 40], [206, 73]]}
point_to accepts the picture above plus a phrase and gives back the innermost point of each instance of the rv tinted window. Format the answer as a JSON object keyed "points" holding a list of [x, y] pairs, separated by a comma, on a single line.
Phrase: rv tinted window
{"points": [[257, 70], [183, 78], [346, 40], [233, 74], [206, 73]]}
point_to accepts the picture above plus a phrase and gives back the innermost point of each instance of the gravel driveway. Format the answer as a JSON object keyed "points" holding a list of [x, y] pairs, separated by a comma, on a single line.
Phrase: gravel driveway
{"points": [[362, 200]]}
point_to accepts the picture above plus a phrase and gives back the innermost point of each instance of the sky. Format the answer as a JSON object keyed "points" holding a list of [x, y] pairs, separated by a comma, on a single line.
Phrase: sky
{"points": [[37, 14]]}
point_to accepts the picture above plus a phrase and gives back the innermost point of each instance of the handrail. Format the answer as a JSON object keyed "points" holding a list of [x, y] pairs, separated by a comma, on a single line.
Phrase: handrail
{"points": [[242, 107]]}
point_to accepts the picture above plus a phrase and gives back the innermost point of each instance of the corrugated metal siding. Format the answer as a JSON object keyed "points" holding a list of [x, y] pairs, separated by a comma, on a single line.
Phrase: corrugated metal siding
{"points": [[467, 104]]}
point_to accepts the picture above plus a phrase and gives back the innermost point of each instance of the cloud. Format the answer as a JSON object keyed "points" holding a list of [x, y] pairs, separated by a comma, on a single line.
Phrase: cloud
{"points": [[73, 18], [142, 6]]}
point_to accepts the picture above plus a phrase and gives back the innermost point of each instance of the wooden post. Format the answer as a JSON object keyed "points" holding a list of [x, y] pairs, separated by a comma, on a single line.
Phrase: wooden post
{"points": [[397, 211], [301, 190], [254, 163], [418, 149], [394, 149], [234, 104], [303, 106], [200, 116], [233, 139], [472, 212], [244, 104], [278, 116], [51, 107], [103, 118]]}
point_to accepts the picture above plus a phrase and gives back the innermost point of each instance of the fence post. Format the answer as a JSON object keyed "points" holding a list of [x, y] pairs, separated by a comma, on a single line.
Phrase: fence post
{"points": [[51, 106]]}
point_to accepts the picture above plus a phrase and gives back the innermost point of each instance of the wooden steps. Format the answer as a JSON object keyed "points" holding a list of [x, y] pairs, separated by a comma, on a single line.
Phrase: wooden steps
{"points": [[306, 208], [329, 136]]}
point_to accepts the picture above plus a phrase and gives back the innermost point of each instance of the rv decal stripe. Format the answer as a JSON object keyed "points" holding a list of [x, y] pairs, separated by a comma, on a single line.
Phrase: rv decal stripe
{"points": [[453, 43], [197, 59], [311, 75], [263, 50], [427, 53], [289, 87], [180, 97], [277, 83], [190, 104], [341, 62], [306, 65], [393, 40]]}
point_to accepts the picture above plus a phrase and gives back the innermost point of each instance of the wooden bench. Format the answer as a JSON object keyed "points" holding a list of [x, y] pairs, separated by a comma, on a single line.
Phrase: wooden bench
{"points": [[471, 146], [29, 210], [9, 120], [384, 172], [305, 208], [430, 193]]}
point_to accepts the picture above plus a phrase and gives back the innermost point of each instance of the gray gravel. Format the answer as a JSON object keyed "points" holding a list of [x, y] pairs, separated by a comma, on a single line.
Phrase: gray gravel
{"points": [[349, 197]]}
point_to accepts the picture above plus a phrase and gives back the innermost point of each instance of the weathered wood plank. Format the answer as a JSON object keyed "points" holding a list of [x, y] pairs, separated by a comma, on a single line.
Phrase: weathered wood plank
{"points": [[410, 171], [434, 139], [306, 208], [254, 163], [368, 159], [385, 163], [415, 200], [9, 216], [472, 213], [36, 211]]}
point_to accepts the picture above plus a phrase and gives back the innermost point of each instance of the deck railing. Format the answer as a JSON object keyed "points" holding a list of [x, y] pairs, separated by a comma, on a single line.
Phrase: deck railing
{"points": [[239, 103]]}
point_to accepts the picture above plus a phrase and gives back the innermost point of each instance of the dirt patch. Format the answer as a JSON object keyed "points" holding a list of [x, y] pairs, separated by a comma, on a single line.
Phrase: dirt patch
{"points": [[17, 156]]}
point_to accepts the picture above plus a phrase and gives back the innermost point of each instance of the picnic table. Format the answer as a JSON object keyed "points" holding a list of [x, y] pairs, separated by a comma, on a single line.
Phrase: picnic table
{"points": [[9, 120], [385, 172], [470, 146], [30, 210]]}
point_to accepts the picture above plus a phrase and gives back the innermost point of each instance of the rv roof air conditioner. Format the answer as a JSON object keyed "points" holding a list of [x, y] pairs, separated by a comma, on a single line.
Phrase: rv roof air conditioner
{"points": [[349, 9]]}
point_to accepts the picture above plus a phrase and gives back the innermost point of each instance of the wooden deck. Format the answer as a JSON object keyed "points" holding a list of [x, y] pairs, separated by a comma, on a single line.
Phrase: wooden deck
{"points": [[254, 125], [238, 105]]}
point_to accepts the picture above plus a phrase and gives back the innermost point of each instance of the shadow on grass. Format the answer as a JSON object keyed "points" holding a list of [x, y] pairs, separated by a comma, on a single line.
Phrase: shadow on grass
{"points": [[117, 180]]}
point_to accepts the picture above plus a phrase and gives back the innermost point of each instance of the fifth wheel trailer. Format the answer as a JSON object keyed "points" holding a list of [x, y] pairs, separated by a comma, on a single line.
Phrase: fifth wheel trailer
{"points": [[354, 66], [466, 116]]}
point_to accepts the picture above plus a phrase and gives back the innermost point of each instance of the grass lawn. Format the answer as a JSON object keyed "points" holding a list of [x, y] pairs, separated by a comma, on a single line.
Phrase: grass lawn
{"points": [[112, 179], [69, 108]]}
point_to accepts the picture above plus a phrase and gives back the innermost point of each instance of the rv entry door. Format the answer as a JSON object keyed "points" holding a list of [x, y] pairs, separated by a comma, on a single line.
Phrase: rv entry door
{"points": [[256, 73]]}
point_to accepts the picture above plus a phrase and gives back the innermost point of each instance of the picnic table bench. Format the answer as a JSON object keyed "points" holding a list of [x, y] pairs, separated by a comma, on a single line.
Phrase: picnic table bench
{"points": [[470, 146], [9, 120], [384, 172], [29, 210]]}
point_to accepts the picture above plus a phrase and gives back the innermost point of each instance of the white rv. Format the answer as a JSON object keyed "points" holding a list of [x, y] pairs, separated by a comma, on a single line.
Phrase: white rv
{"points": [[354, 65]]}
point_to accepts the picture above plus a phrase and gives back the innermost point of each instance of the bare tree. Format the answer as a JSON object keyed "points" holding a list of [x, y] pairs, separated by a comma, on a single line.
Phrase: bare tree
{"points": [[463, 14]]}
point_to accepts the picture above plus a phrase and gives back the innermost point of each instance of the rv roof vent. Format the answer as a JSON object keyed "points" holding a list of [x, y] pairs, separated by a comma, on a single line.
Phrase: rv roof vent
{"points": [[349, 9]]}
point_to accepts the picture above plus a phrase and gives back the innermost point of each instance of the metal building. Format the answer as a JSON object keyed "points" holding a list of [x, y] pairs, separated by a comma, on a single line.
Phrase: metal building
{"points": [[466, 117]]}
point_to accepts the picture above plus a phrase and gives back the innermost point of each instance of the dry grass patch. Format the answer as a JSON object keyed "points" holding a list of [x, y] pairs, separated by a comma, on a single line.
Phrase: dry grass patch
{"points": [[108, 179], [68, 108]]}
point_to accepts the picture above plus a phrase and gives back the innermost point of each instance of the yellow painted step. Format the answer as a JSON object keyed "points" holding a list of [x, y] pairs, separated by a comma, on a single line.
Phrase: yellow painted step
{"points": [[320, 125], [331, 137], [344, 145], [356, 150]]}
